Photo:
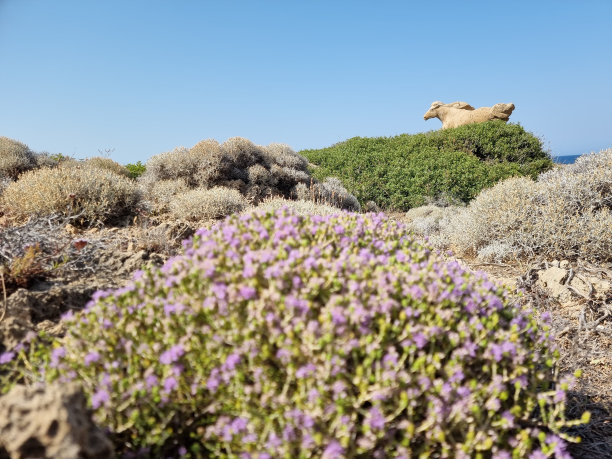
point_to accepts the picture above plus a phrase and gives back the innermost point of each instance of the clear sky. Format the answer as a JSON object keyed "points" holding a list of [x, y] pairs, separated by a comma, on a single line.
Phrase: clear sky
{"points": [[144, 76]]}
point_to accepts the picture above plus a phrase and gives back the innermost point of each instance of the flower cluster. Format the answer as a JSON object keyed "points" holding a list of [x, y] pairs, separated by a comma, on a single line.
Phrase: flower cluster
{"points": [[277, 335]]}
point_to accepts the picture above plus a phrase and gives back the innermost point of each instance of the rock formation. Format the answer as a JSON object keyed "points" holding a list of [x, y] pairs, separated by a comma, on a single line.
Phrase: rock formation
{"points": [[50, 422], [459, 113]]}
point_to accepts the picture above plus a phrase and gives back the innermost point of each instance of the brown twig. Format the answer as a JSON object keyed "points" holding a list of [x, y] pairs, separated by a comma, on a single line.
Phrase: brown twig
{"points": [[4, 303]]}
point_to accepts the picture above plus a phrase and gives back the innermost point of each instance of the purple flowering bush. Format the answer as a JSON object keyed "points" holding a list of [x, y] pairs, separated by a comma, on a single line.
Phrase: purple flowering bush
{"points": [[278, 335]]}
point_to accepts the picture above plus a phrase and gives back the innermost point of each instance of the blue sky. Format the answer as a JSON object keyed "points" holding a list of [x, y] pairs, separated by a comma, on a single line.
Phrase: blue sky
{"points": [[142, 77]]}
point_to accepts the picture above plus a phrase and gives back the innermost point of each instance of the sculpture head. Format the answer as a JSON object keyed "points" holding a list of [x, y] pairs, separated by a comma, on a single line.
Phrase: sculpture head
{"points": [[433, 110]]}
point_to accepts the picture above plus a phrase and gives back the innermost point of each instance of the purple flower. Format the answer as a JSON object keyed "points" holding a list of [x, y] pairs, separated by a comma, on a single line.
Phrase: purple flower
{"points": [[239, 424], [390, 359], [99, 398], [306, 370], [56, 355], [219, 289], [283, 355], [376, 419], [172, 354], [170, 384], [337, 314], [150, 381], [419, 340], [213, 382], [6, 357], [231, 361], [247, 292], [313, 395], [338, 387], [333, 451], [273, 441], [91, 357], [457, 376]]}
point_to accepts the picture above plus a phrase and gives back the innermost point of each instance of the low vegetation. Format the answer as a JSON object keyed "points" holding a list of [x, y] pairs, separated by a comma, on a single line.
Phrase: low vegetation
{"points": [[88, 194], [565, 214], [277, 334], [255, 172], [207, 203], [15, 158], [406, 171], [292, 329]]}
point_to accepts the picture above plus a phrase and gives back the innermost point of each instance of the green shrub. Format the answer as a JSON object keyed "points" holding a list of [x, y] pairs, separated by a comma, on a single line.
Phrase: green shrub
{"points": [[136, 169], [15, 158], [409, 170], [276, 335], [89, 193], [493, 140]]}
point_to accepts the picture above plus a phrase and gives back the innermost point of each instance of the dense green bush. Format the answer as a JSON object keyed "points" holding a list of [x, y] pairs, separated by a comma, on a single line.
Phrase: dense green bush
{"points": [[277, 335], [136, 169], [409, 170]]}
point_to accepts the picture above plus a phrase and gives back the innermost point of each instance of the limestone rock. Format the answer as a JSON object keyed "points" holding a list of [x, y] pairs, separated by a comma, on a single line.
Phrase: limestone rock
{"points": [[459, 113], [50, 422], [553, 280]]}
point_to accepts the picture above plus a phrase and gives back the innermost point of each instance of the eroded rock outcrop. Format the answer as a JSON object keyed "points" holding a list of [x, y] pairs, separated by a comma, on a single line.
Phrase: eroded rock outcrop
{"points": [[50, 422], [459, 113]]}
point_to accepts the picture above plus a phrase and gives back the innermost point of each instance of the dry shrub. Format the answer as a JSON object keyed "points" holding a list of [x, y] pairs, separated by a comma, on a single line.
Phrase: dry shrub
{"points": [[179, 163], [4, 182], [425, 220], [106, 164], [202, 203], [257, 172], [88, 194], [15, 158], [161, 193], [300, 207], [331, 192], [284, 156], [565, 214]]}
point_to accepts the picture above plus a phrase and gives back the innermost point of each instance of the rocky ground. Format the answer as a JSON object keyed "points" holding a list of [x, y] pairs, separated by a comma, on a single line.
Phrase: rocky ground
{"points": [[51, 267]]}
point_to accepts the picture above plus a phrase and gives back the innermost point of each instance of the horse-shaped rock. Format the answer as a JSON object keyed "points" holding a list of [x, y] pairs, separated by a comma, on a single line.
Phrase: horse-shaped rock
{"points": [[460, 113]]}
